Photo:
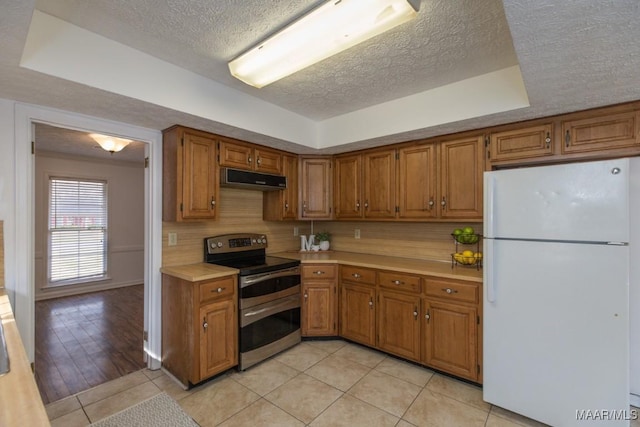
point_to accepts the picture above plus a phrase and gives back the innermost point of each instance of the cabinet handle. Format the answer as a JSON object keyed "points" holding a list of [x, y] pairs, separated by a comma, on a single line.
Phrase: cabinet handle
{"points": [[357, 205], [427, 315], [431, 203], [548, 140], [319, 272], [219, 290], [356, 275], [443, 203], [370, 303], [249, 159], [205, 325], [567, 138], [397, 282], [213, 202], [450, 291]]}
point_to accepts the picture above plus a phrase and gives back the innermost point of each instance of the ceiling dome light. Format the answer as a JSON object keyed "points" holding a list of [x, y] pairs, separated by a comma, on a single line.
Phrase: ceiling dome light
{"points": [[111, 144]]}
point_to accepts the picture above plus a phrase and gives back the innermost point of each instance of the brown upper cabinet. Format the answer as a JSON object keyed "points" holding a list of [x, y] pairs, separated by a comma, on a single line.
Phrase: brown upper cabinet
{"points": [[283, 205], [315, 191], [523, 143], [240, 155], [610, 132], [365, 185], [417, 177], [190, 175]]}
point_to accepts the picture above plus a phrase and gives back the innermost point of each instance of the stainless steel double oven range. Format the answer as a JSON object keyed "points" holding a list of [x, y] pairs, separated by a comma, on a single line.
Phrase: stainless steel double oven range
{"points": [[269, 294]]}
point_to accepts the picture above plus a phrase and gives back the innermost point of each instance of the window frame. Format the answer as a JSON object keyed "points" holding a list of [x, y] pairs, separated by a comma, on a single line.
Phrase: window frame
{"points": [[78, 279]]}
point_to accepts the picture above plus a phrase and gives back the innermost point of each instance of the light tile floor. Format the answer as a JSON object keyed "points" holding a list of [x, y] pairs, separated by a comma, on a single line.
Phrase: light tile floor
{"points": [[316, 383]]}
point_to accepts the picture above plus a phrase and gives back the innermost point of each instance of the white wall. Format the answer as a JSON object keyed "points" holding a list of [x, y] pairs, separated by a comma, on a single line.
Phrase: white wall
{"points": [[125, 186]]}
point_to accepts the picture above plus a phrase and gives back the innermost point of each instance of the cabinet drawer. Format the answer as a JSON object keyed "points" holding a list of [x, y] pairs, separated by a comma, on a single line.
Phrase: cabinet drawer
{"points": [[318, 271], [217, 289], [401, 281], [358, 274], [453, 291]]}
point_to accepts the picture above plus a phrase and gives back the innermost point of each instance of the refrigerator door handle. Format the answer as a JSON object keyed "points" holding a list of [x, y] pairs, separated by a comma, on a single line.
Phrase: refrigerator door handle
{"points": [[489, 278], [489, 207]]}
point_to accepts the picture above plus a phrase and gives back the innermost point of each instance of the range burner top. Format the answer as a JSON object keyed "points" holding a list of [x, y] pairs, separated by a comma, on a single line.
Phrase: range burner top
{"points": [[246, 252]]}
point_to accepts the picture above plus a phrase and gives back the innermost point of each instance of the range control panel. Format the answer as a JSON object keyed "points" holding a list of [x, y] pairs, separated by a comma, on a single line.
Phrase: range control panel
{"points": [[235, 243]]}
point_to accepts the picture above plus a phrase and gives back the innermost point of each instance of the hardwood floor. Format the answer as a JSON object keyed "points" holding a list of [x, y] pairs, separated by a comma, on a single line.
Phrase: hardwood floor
{"points": [[85, 340]]}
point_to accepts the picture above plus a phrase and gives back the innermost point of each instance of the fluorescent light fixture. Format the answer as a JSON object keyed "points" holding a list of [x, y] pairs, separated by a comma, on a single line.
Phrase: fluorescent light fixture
{"points": [[110, 143], [328, 29]]}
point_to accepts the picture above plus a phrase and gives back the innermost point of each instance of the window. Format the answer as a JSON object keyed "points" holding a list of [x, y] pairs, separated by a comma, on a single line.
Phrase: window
{"points": [[77, 230]]}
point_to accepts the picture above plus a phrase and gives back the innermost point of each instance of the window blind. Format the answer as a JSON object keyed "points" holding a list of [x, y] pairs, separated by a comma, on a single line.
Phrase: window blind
{"points": [[77, 229]]}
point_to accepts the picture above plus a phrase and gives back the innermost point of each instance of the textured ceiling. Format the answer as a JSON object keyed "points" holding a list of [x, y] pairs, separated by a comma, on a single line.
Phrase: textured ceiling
{"points": [[573, 55]]}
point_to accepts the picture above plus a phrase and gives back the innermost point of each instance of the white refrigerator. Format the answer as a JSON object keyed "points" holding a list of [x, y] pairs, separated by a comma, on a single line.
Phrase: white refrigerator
{"points": [[561, 298]]}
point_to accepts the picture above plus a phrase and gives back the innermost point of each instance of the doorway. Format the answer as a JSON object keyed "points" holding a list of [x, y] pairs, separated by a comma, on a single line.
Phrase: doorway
{"points": [[23, 283]]}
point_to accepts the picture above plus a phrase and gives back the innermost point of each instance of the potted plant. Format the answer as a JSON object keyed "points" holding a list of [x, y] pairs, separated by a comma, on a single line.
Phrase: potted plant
{"points": [[323, 238]]}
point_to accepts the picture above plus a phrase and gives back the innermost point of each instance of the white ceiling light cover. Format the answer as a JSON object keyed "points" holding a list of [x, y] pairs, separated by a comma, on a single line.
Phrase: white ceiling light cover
{"points": [[111, 144], [327, 30]]}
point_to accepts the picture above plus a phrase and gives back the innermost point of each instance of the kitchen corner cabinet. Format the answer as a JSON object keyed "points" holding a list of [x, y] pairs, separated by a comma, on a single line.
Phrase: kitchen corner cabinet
{"points": [[199, 327], [319, 314], [525, 143], [240, 155], [190, 175], [452, 338], [283, 205], [315, 191]]}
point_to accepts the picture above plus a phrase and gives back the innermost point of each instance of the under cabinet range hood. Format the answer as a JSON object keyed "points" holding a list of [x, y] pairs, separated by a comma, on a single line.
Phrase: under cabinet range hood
{"points": [[251, 180]]}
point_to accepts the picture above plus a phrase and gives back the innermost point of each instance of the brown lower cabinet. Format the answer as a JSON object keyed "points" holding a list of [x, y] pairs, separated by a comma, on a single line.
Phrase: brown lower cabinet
{"points": [[428, 320], [199, 327], [319, 307]]}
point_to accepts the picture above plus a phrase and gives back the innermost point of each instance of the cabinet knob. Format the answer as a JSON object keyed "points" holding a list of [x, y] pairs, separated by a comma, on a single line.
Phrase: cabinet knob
{"points": [[205, 325], [431, 203], [397, 282], [358, 205], [567, 138], [366, 204], [450, 291], [258, 161], [319, 272], [356, 275], [443, 203], [219, 290], [415, 313], [548, 140], [427, 315], [249, 160], [306, 296], [286, 205], [370, 303], [213, 202]]}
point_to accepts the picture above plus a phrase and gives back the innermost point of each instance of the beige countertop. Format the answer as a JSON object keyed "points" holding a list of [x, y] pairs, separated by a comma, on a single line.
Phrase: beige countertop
{"points": [[199, 271], [404, 265], [204, 271], [20, 402]]}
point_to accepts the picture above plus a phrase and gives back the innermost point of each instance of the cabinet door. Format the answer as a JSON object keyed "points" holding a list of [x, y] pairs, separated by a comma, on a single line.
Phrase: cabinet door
{"points": [[461, 168], [319, 317], [451, 338], [283, 205], [417, 181], [218, 338], [199, 177], [347, 189], [603, 133], [399, 324], [380, 184], [268, 161], [357, 319], [235, 155], [316, 187], [530, 142]]}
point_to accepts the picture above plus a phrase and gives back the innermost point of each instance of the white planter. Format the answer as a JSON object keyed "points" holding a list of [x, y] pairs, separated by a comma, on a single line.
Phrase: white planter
{"points": [[324, 245]]}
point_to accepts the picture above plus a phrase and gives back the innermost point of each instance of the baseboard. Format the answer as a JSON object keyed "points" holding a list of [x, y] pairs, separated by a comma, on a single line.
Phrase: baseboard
{"points": [[63, 291]]}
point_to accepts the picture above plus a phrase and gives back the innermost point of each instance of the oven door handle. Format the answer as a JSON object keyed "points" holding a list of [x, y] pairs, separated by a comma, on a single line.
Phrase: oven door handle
{"points": [[248, 317], [256, 278]]}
